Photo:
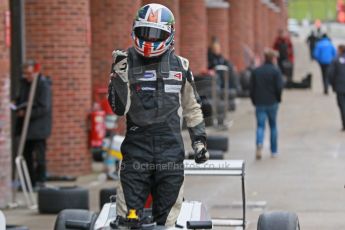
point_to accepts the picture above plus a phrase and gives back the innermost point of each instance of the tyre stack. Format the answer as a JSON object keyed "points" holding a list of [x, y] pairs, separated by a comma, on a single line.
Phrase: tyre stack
{"points": [[52, 200], [245, 82], [203, 86]]}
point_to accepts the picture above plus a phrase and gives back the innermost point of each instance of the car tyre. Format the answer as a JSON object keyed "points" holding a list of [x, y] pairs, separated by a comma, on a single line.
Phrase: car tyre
{"points": [[16, 227], [218, 143], [52, 200], [85, 216], [278, 221], [216, 154]]}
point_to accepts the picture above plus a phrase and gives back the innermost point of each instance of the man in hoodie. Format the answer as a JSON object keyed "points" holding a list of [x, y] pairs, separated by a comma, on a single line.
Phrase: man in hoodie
{"points": [[324, 53], [336, 73]]}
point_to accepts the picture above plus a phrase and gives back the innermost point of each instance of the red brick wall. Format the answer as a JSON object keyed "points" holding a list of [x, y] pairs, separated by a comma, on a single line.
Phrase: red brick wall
{"points": [[5, 138], [57, 35], [266, 29], [273, 26], [241, 30], [258, 27], [218, 25], [111, 24], [174, 6], [283, 15], [194, 34]]}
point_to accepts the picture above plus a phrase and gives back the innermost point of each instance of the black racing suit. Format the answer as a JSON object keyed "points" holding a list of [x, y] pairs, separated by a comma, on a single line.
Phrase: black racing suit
{"points": [[160, 92]]}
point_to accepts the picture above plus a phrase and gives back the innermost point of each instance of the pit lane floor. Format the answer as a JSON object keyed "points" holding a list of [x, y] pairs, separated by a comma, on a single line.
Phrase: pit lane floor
{"points": [[308, 177]]}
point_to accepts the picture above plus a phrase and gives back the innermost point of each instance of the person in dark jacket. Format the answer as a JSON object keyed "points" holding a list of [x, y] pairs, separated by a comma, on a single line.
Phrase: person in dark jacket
{"points": [[336, 73], [311, 41], [265, 92], [324, 53], [40, 121]]}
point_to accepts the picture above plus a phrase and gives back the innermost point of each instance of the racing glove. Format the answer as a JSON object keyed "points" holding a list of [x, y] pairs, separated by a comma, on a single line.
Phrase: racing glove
{"points": [[118, 90], [119, 66], [201, 155]]}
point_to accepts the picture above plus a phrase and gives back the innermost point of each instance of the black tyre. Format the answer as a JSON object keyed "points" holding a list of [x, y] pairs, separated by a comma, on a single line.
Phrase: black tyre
{"points": [[203, 85], [206, 107], [75, 219], [104, 196], [216, 154], [245, 79], [232, 94], [232, 105], [16, 227], [97, 154], [54, 200], [278, 221], [218, 143]]}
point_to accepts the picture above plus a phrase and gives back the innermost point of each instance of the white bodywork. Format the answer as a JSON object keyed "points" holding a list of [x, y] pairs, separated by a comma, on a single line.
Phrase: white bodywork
{"points": [[190, 211], [2, 221]]}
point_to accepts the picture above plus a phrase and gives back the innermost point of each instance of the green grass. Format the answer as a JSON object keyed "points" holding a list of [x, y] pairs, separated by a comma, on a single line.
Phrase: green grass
{"points": [[312, 9]]}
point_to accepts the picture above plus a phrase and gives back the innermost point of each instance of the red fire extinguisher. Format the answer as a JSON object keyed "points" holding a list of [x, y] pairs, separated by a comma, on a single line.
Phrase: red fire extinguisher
{"points": [[97, 128]]}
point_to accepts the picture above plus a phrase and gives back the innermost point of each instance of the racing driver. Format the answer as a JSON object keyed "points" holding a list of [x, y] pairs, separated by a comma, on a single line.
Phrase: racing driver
{"points": [[155, 89]]}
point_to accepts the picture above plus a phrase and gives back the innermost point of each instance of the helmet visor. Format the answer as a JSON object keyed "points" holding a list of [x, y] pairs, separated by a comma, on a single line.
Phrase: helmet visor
{"points": [[150, 34]]}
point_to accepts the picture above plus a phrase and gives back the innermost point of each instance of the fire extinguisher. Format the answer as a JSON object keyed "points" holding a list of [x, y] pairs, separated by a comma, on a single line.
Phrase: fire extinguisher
{"points": [[97, 128]]}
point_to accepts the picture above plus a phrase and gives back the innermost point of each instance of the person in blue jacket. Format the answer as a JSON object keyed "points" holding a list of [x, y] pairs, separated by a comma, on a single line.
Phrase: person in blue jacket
{"points": [[324, 53]]}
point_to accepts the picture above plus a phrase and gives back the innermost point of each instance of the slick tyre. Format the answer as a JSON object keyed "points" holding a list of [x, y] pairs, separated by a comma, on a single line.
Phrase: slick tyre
{"points": [[54, 200], [218, 143], [16, 227], [278, 221], [75, 219]]}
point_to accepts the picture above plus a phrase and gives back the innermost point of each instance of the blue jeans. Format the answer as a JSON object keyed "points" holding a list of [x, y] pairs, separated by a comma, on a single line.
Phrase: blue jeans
{"points": [[270, 112]]}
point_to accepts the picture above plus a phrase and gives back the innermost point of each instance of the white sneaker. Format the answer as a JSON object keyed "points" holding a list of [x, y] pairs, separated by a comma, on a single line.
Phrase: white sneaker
{"points": [[275, 155]]}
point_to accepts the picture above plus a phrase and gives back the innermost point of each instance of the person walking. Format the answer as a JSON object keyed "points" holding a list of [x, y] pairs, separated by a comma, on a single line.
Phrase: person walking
{"points": [[284, 47], [324, 53], [336, 73], [311, 41], [40, 121], [265, 92]]}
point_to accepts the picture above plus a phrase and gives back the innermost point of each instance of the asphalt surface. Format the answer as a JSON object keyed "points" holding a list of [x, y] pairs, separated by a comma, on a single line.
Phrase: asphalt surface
{"points": [[307, 177]]}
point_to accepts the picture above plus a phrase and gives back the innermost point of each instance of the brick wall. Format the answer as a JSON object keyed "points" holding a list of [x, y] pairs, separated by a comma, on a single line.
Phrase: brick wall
{"points": [[58, 36], [5, 138], [111, 24], [283, 15], [194, 34], [259, 27], [266, 29], [218, 26], [241, 30], [174, 6]]}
